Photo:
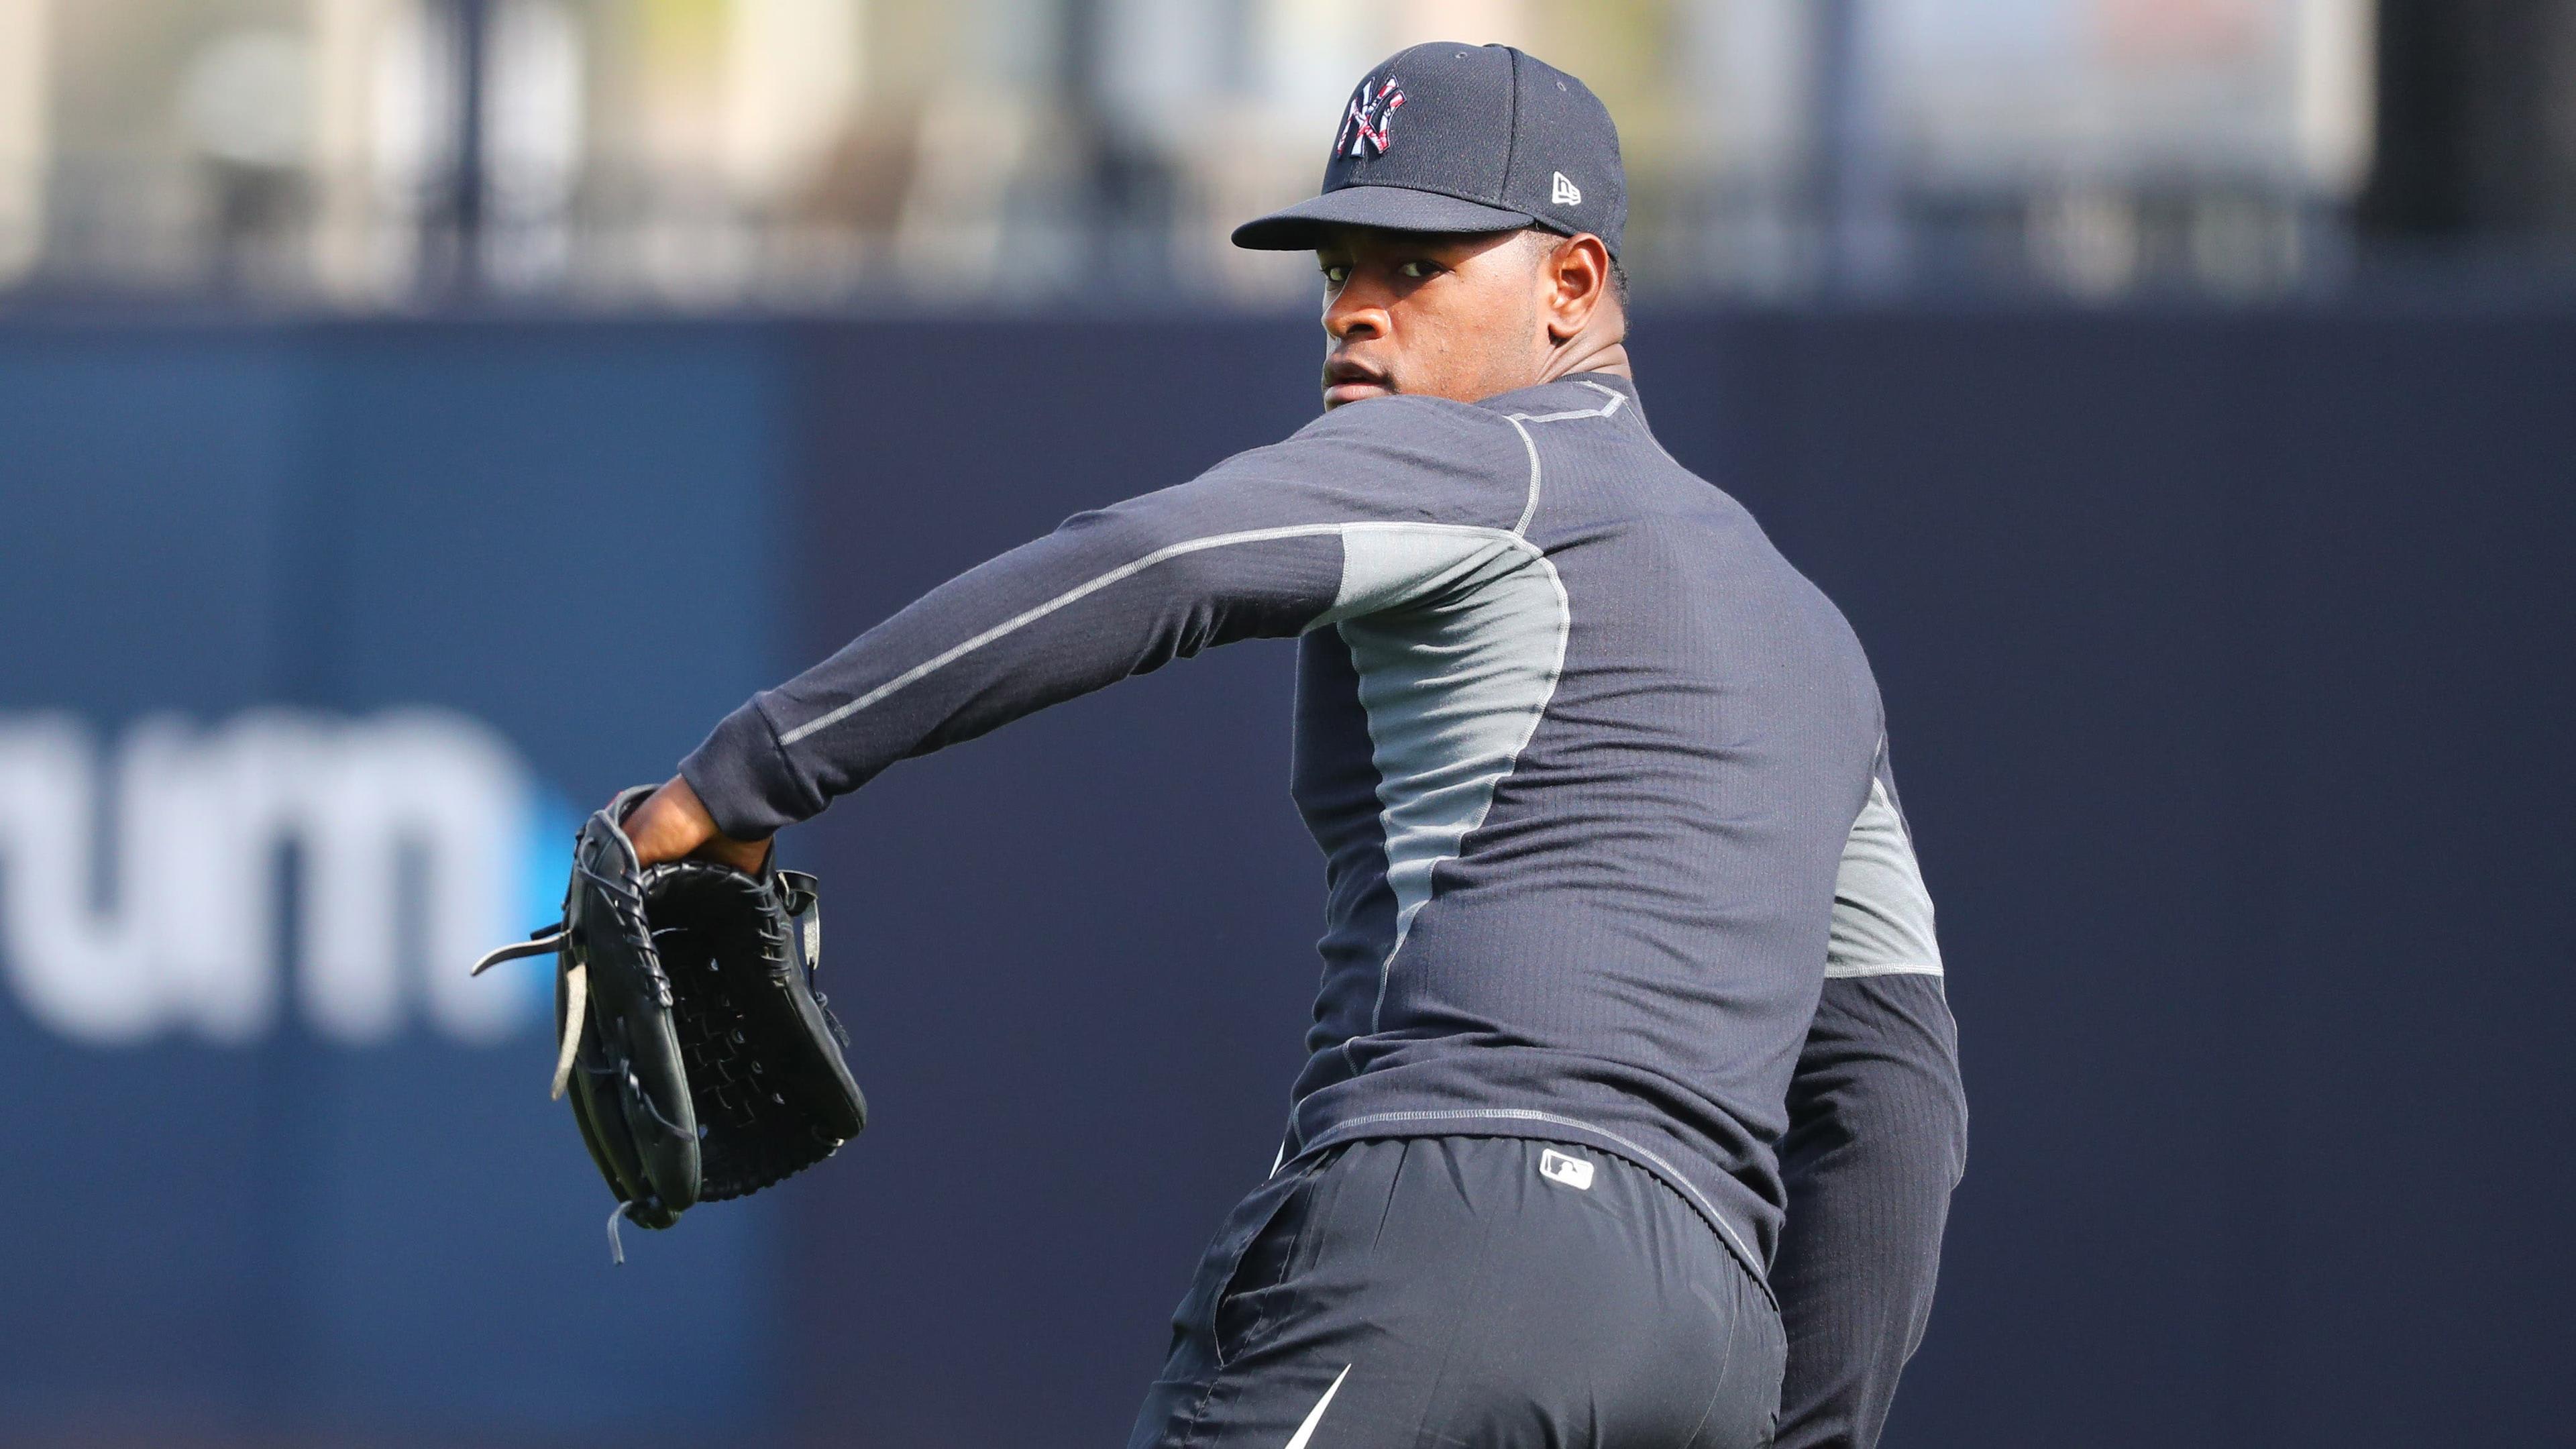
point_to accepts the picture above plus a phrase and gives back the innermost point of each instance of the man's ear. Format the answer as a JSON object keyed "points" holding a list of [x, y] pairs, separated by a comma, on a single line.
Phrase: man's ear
{"points": [[1576, 277]]}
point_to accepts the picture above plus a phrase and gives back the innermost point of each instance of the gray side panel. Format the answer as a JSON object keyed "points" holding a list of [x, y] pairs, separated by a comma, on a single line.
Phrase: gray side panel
{"points": [[1453, 687], [1882, 922]]}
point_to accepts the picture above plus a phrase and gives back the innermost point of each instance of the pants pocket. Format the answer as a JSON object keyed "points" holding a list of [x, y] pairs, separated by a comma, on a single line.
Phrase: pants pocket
{"points": [[1232, 1266], [1746, 1411], [1262, 1287], [1254, 1285]]}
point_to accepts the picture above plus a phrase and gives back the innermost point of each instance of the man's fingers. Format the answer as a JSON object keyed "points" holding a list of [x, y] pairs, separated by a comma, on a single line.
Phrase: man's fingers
{"points": [[669, 824], [673, 823]]}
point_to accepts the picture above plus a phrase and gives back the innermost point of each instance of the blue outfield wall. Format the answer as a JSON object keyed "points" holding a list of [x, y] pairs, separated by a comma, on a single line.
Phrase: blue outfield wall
{"points": [[287, 1221], [2226, 657]]}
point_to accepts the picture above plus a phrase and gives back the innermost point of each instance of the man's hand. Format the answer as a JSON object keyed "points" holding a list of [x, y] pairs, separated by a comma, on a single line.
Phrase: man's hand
{"points": [[673, 823]]}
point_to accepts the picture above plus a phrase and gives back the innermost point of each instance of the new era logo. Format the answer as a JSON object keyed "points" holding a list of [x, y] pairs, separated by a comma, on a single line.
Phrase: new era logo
{"points": [[1574, 1172], [1564, 192]]}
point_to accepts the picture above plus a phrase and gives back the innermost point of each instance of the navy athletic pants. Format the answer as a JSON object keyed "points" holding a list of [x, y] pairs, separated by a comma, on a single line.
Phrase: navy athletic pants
{"points": [[1484, 1292]]}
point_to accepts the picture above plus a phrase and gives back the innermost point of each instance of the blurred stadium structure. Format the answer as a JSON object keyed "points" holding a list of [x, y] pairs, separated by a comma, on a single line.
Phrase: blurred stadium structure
{"points": [[697, 154]]}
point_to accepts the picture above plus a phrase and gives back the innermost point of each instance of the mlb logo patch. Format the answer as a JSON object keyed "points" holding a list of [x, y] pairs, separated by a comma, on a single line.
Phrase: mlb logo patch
{"points": [[1567, 1171]]}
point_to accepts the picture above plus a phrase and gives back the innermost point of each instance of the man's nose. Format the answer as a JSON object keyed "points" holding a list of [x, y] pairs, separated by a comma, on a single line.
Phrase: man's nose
{"points": [[1355, 313]]}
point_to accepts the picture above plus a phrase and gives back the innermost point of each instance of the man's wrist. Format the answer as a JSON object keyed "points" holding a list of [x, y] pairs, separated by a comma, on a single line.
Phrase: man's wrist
{"points": [[742, 778]]}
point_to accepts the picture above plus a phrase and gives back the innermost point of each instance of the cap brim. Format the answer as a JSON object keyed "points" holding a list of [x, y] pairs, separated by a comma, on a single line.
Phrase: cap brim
{"points": [[1388, 208]]}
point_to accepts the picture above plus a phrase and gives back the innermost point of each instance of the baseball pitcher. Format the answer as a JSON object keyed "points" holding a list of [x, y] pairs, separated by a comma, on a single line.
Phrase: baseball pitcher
{"points": [[1632, 1110]]}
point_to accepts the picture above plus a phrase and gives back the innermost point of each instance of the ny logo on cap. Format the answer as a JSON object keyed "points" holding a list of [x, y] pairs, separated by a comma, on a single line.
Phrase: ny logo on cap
{"points": [[1370, 119]]}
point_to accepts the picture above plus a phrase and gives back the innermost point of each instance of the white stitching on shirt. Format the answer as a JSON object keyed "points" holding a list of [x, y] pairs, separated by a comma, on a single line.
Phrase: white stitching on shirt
{"points": [[1022, 620], [1529, 510], [1603, 411]]}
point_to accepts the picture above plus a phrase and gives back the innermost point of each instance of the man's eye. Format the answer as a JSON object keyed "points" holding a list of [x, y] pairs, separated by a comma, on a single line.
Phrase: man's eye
{"points": [[1336, 274], [1415, 270]]}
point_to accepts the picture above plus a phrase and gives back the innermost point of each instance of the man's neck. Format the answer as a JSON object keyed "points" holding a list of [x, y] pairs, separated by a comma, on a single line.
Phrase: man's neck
{"points": [[1612, 360], [1589, 354]]}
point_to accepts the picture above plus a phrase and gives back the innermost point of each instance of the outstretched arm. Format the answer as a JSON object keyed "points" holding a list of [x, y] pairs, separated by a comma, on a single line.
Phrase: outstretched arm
{"points": [[1877, 1139], [1256, 547]]}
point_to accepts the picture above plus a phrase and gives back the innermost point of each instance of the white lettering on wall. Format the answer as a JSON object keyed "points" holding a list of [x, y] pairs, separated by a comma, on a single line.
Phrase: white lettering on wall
{"points": [[411, 827]]}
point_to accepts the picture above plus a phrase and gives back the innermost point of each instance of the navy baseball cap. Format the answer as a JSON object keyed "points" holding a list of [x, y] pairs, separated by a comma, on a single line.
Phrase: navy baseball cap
{"points": [[1448, 137]]}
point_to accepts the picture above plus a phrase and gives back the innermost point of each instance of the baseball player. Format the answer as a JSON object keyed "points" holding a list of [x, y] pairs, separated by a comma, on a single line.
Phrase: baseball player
{"points": [[1632, 1112]]}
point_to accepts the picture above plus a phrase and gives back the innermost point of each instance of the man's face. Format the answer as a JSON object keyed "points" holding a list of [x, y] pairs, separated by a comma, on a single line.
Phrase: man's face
{"points": [[1456, 317]]}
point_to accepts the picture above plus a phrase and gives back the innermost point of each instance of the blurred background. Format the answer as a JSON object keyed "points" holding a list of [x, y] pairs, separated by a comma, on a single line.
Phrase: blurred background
{"points": [[396, 155], [419, 418]]}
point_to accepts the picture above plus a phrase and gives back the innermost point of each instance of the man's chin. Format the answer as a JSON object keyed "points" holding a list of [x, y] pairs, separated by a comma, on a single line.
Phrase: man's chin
{"points": [[1351, 392]]}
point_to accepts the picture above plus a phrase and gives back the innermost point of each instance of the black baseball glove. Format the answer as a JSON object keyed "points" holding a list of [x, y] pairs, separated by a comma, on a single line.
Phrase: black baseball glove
{"points": [[700, 1061]]}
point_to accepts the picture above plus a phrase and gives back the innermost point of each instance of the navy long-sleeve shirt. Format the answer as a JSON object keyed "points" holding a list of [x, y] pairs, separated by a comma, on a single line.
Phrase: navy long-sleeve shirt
{"points": [[1613, 854]]}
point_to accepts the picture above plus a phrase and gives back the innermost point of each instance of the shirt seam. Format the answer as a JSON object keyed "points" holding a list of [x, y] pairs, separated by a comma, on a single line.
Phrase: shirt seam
{"points": [[1537, 471], [1064, 600]]}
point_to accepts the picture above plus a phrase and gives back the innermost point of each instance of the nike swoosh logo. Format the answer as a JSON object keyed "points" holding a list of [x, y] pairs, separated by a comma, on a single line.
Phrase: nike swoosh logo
{"points": [[1315, 1415]]}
